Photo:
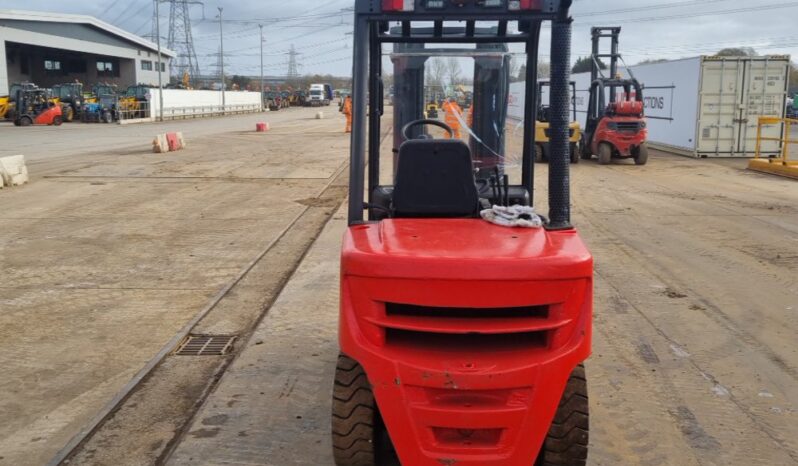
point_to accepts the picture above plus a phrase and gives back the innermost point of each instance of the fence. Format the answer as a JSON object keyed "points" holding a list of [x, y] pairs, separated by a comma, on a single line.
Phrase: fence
{"points": [[182, 113], [130, 111]]}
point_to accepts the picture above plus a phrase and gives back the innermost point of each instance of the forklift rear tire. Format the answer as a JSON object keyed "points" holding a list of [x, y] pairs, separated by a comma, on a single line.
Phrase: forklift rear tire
{"points": [[25, 121], [57, 121], [605, 154], [107, 117], [641, 155], [358, 433], [567, 441], [539, 154]]}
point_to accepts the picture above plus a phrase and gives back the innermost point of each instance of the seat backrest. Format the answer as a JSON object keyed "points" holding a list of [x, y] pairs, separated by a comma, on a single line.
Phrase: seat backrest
{"points": [[435, 178]]}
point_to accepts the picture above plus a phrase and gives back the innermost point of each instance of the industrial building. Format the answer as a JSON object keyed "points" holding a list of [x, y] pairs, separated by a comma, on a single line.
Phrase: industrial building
{"points": [[52, 48]]}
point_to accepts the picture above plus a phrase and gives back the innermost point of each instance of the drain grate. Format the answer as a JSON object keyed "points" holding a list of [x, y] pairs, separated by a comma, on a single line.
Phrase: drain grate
{"points": [[206, 345]]}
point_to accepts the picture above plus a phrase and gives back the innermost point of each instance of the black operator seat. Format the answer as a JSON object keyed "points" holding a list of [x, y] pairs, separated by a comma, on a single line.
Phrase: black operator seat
{"points": [[435, 178]]}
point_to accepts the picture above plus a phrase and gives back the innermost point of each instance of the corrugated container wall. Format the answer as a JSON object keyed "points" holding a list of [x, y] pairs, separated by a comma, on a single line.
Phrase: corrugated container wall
{"points": [[702, 106]]}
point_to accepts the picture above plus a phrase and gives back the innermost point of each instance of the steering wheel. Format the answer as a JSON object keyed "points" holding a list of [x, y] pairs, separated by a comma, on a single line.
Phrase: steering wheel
{"points": [[437, 123]]}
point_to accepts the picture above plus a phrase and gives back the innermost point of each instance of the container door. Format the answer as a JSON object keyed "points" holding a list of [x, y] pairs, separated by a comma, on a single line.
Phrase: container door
{"points": [[765, 92], [720, 102]]}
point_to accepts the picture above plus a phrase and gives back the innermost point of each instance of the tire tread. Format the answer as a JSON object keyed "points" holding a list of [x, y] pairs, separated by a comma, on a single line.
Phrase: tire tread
{"points": [[353, 415], [566, 443]]}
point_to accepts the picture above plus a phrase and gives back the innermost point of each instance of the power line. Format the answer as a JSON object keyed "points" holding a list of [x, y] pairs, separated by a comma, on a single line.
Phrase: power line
{"points": [[126, 10], [111, 4], [772, 6], [648, 7]]}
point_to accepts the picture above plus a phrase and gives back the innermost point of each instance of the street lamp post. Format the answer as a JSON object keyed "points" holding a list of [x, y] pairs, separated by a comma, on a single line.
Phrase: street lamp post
{"points": [[221, 56], [160, 60], [262, 95]]}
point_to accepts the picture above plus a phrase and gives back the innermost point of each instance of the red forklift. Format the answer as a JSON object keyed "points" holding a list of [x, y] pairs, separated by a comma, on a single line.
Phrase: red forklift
{"points": [[35, 106], [615, 128], [461, 341]]}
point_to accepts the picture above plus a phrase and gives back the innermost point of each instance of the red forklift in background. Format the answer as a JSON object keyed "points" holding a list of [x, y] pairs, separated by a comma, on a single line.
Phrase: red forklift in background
{"points": [[461, 341], [614, 128], [35, 106]]}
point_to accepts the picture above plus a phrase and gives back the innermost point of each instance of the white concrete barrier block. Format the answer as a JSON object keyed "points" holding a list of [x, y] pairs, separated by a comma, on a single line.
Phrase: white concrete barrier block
{"points": [[13, 170], [320, 115], [160, 144]]}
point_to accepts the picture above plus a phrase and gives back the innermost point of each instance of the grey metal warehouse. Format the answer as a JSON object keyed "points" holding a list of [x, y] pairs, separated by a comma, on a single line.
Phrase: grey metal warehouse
{"points": [[53, 48]]}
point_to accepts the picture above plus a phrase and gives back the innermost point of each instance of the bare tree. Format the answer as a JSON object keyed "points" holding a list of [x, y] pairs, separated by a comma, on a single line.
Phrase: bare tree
{"points": [[436, 72], [544, 70], [453, 71]]}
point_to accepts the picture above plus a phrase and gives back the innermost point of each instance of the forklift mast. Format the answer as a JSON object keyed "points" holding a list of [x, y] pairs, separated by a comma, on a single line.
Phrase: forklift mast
{"points": [[595, 71]]}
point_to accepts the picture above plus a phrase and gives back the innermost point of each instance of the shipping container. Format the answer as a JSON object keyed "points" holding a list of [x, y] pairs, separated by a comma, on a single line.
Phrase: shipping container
{"points": [[702, 106]]}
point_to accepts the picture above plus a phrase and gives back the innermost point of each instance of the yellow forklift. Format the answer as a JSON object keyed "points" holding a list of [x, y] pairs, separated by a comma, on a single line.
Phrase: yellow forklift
{"points": [[542, 127], [432, 109], [4, 101]]}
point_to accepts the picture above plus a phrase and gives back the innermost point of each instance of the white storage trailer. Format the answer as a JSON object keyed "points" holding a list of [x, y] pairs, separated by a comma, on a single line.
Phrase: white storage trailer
{"points": [[701, 106]]}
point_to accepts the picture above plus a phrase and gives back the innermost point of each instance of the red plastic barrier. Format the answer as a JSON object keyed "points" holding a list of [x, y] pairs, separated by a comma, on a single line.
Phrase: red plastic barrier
{"points": [[173, 141]]}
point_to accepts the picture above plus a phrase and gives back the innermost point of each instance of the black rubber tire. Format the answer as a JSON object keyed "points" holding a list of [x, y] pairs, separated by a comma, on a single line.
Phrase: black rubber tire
{"points": [[566, 443], [16, 123], [539, 156], [107, 117], [57, 120], [359, 436], [25, 121], [584, 149], [641, 155], [605, 153], [574, 153]]}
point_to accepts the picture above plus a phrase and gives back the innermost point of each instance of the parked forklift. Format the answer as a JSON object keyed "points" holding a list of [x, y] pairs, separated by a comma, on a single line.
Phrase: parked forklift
{"points": [[461, 341], [8, 103], [432, 109], [543, 130], [614, 128], [35, 106]]}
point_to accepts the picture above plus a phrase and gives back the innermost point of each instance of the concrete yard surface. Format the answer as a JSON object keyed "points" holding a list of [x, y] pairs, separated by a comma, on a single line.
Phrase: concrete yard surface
{"points": [[105, 257], [272, 408]]}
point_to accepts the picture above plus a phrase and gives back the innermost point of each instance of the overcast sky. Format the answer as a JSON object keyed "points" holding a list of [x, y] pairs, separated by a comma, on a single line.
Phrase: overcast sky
{"points": [[317, 28]]}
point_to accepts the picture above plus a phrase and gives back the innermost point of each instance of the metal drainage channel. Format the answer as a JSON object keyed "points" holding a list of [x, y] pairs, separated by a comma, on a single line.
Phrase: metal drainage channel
{"points": [[205, 345]]}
